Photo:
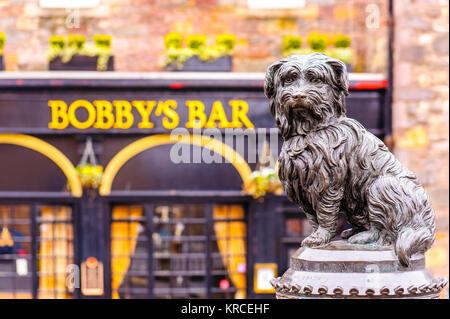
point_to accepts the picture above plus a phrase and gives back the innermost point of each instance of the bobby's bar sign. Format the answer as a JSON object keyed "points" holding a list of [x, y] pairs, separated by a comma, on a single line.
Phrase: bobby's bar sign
{"points": [[148, 114]]}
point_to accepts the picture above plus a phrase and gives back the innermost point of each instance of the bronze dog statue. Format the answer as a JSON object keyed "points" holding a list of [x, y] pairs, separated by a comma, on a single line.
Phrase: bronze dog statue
{"points": [[330, 164]]}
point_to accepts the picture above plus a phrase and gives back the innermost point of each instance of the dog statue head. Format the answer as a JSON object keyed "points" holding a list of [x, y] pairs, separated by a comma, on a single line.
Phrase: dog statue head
{"points": [[306, 92]]}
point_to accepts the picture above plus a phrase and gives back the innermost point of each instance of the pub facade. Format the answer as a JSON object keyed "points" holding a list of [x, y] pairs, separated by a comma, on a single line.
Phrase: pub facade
{"points": [[136, 185]]}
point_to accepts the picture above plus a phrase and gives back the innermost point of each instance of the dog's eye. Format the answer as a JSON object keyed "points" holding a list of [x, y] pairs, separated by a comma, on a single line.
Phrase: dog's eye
{"points": [[289, 79], [315, 80]]}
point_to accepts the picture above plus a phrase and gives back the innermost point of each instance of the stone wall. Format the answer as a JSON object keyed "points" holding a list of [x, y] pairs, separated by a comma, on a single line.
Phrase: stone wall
{"points": [[421, 106], [138, 28]]}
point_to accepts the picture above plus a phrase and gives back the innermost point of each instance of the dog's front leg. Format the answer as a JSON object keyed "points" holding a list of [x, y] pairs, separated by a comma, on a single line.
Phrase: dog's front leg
{"points": [[327, 212]]}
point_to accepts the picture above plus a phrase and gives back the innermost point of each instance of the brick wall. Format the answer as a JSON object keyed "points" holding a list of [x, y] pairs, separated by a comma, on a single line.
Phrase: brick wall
{"points": [[138, 28], [421, 106]]}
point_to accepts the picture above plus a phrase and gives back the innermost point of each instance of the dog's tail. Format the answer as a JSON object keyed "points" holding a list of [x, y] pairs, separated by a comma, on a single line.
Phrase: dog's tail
{"points": [[402, 206], [411, 241], [417, 235]]}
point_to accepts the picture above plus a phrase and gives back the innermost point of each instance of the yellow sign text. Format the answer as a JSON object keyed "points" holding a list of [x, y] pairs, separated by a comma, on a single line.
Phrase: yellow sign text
{"points": [[122, 114]]}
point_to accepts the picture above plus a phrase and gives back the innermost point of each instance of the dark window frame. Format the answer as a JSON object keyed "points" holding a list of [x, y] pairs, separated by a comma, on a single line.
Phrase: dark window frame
{"points": [[35, 200], [149, 199]]}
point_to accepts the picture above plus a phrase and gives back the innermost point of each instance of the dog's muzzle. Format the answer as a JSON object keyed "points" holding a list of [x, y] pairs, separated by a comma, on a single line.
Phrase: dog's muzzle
{"points": [[299, 101]]}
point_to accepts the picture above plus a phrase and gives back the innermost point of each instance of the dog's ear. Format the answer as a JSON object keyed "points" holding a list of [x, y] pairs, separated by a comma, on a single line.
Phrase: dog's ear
{"points": [[340, 76], [269, 88]]}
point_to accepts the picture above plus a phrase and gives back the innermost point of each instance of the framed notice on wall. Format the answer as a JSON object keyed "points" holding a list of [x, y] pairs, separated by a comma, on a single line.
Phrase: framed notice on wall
{"points": [[92, 277], [263, 274]]}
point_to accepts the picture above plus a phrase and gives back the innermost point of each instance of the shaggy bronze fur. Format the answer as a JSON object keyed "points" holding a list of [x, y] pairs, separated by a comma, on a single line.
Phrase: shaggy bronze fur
{"points": [[329, 164]]}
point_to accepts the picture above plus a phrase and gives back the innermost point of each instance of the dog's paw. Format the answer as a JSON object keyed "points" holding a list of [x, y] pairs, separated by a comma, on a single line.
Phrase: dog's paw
{"points": [[320, 237], [365, 237], [351, 231]]}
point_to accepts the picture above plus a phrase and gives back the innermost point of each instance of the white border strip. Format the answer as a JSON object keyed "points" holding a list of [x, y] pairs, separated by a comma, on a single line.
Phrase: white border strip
{"points": [[68, 3]]}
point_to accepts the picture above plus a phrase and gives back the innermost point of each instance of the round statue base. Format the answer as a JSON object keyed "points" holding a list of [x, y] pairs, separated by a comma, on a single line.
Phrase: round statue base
{"points": [[342, 270]]}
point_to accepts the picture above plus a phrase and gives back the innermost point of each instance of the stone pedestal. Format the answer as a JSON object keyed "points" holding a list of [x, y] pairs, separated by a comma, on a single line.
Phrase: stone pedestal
{"points": [[341, 270]]}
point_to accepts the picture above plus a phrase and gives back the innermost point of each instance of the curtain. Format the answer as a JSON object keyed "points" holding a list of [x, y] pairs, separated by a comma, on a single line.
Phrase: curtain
{"points": [[124, 236], [231, 242], [56, 252]]}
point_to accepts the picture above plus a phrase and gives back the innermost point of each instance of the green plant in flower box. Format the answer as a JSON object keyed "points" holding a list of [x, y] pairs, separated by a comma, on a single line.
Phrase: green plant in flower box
{"points": [[102, 41], [76, 44], [318, 42], [178, 56], [196, 42], [77, 41], [342, 50], [196, 46], [174, 52], [102, 50], [293, 45], [264, 181], [341, 41], [224, 46], [57, 45], [57, 42], [225, 43], [209, 54], [90, 175], [2, 42], [290, 43], [173, 40]]}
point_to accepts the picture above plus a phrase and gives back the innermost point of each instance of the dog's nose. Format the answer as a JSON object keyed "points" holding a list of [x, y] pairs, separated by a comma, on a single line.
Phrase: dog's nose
{"points": [[300, 96]]}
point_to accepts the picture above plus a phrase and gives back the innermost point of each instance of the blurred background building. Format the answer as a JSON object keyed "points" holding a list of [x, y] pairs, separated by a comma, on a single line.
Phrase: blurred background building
{"points": [[399, 81], [139, 26]]}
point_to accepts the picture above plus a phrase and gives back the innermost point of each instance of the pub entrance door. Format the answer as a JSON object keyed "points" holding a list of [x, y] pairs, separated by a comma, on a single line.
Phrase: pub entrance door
{"points": [[37, 245], [177, 248]]}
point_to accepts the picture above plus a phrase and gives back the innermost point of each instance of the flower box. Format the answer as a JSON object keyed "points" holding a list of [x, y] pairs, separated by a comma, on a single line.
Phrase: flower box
{"points": [[2, 64], [79, 63], [195, 64]]}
